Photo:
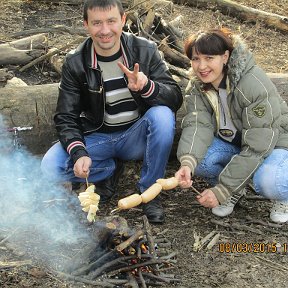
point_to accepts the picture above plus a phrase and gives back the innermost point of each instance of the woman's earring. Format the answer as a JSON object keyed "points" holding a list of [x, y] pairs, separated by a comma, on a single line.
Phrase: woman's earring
{"points": [[224, 64]]}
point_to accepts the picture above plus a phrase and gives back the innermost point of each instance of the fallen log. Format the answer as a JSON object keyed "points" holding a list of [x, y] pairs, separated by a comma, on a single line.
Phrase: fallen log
{"points": [[35, 106], [50, 53], [67, 2], [23, 51], [173, 56], [242, 12], [54, 29]]}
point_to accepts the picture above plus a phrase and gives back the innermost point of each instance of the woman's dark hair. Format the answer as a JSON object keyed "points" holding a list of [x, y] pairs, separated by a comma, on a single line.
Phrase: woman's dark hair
{"points": [[103, 4], [211, 42]]}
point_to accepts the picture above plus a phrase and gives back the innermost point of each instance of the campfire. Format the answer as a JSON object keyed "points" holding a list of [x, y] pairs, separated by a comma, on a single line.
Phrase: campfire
{"points": [[123, 257]]}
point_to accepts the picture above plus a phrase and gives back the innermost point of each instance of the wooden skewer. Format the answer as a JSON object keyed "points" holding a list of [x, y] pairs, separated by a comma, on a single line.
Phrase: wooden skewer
{"points": [[87, 184], [195, 190], [114, 210]]}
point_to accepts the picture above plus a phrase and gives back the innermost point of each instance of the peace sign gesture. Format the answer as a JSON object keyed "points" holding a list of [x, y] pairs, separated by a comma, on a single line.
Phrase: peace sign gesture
{"points": [[136, 80]]}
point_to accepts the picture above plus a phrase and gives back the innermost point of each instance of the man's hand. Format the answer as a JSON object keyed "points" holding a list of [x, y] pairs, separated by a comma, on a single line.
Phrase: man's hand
{"points": [[207, 199], [136, 80], [183, 176], [82, 167]]}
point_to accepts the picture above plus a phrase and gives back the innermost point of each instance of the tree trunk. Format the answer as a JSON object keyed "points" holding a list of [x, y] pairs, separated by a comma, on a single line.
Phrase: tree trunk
{"points": [[35, 105], [242, 12], [23, 51]]}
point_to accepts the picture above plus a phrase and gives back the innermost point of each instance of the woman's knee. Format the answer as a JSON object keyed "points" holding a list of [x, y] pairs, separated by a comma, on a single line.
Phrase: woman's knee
{"points": [[270, 178], [267, 183]]}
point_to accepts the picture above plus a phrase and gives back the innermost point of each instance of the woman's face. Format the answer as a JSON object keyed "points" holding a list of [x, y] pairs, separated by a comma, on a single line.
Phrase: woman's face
{"points": [[209, 68]]}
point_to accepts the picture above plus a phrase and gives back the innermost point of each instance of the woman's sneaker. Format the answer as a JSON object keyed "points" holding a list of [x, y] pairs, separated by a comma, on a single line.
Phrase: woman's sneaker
{"points": [[279, 212], [227, 208]]}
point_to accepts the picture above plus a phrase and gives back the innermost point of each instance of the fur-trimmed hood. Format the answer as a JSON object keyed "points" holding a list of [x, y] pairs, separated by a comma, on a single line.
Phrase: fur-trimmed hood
{"points": [[240, 61]]}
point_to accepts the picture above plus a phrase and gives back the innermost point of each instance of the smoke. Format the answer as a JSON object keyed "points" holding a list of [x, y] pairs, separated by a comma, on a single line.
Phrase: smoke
{"points": [[36, 214]]}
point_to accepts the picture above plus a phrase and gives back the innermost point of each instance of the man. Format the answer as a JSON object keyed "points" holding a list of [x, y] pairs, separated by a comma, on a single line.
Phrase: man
{"points": [[116, 102]]}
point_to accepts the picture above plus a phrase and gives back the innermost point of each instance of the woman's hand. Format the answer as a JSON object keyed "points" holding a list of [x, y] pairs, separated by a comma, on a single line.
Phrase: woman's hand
{"points": [[82, 167], [183, 176], [207, 199]]}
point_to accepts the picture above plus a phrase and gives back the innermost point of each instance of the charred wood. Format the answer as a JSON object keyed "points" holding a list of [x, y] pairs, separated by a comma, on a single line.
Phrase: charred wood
{"points": [[114, 269], [137, 265]]}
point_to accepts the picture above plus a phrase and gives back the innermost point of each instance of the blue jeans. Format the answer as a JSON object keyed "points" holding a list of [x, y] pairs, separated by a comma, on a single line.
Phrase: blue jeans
{"points": [[270, 179], [150, 139]]}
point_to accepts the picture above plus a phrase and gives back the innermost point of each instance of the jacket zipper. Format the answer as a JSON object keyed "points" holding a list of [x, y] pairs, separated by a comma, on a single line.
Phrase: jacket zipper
{"points": [[102, 91]]}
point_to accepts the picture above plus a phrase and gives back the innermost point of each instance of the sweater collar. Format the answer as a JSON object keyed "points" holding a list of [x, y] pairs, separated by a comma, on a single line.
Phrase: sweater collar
{"points": [[94, 61]]}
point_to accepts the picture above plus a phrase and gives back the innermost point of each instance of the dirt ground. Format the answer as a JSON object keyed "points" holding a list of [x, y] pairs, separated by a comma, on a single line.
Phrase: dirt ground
{"points": [[250, 251]]}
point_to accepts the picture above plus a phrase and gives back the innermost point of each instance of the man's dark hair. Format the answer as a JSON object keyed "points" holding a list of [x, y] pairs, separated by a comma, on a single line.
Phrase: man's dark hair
{"points": [[102, 4]]}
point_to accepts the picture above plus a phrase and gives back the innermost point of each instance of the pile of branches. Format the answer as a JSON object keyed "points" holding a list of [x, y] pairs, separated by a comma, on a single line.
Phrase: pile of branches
{"points": [[124, 257]]}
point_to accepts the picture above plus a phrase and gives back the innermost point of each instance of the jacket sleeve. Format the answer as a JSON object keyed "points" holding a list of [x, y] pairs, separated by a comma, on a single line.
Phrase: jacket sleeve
{"points": [[197, 130], [66, 118], [161, 88], [261, 116]]}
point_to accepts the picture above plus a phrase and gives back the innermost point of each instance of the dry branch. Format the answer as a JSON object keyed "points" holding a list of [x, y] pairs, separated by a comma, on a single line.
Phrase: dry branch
{"points": [[11, 264], [55, 29], [68, 2]]}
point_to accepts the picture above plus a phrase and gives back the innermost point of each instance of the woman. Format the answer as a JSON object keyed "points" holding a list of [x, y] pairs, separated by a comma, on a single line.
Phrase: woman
{"points": [[236, 126]]}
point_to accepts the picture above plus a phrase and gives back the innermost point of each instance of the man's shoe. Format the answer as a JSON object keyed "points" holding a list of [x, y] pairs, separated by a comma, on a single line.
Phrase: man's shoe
{"points": [[227, 208], [279, 212], [107, 187], [154, 211]]}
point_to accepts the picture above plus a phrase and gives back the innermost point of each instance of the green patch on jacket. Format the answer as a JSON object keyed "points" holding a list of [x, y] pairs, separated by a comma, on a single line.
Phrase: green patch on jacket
{"points": [[259, 111]]}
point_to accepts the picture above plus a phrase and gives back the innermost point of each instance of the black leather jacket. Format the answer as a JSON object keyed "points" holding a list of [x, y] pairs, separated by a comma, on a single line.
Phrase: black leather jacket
{"points": [[81, 102]]}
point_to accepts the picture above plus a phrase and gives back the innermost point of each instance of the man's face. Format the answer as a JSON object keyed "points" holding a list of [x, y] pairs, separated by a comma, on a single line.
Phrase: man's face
{"points": [[105, 28]]}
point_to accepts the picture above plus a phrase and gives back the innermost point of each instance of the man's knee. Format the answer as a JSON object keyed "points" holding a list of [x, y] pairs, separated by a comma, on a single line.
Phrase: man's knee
{"points": [[47, 166], [162, 118]]}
